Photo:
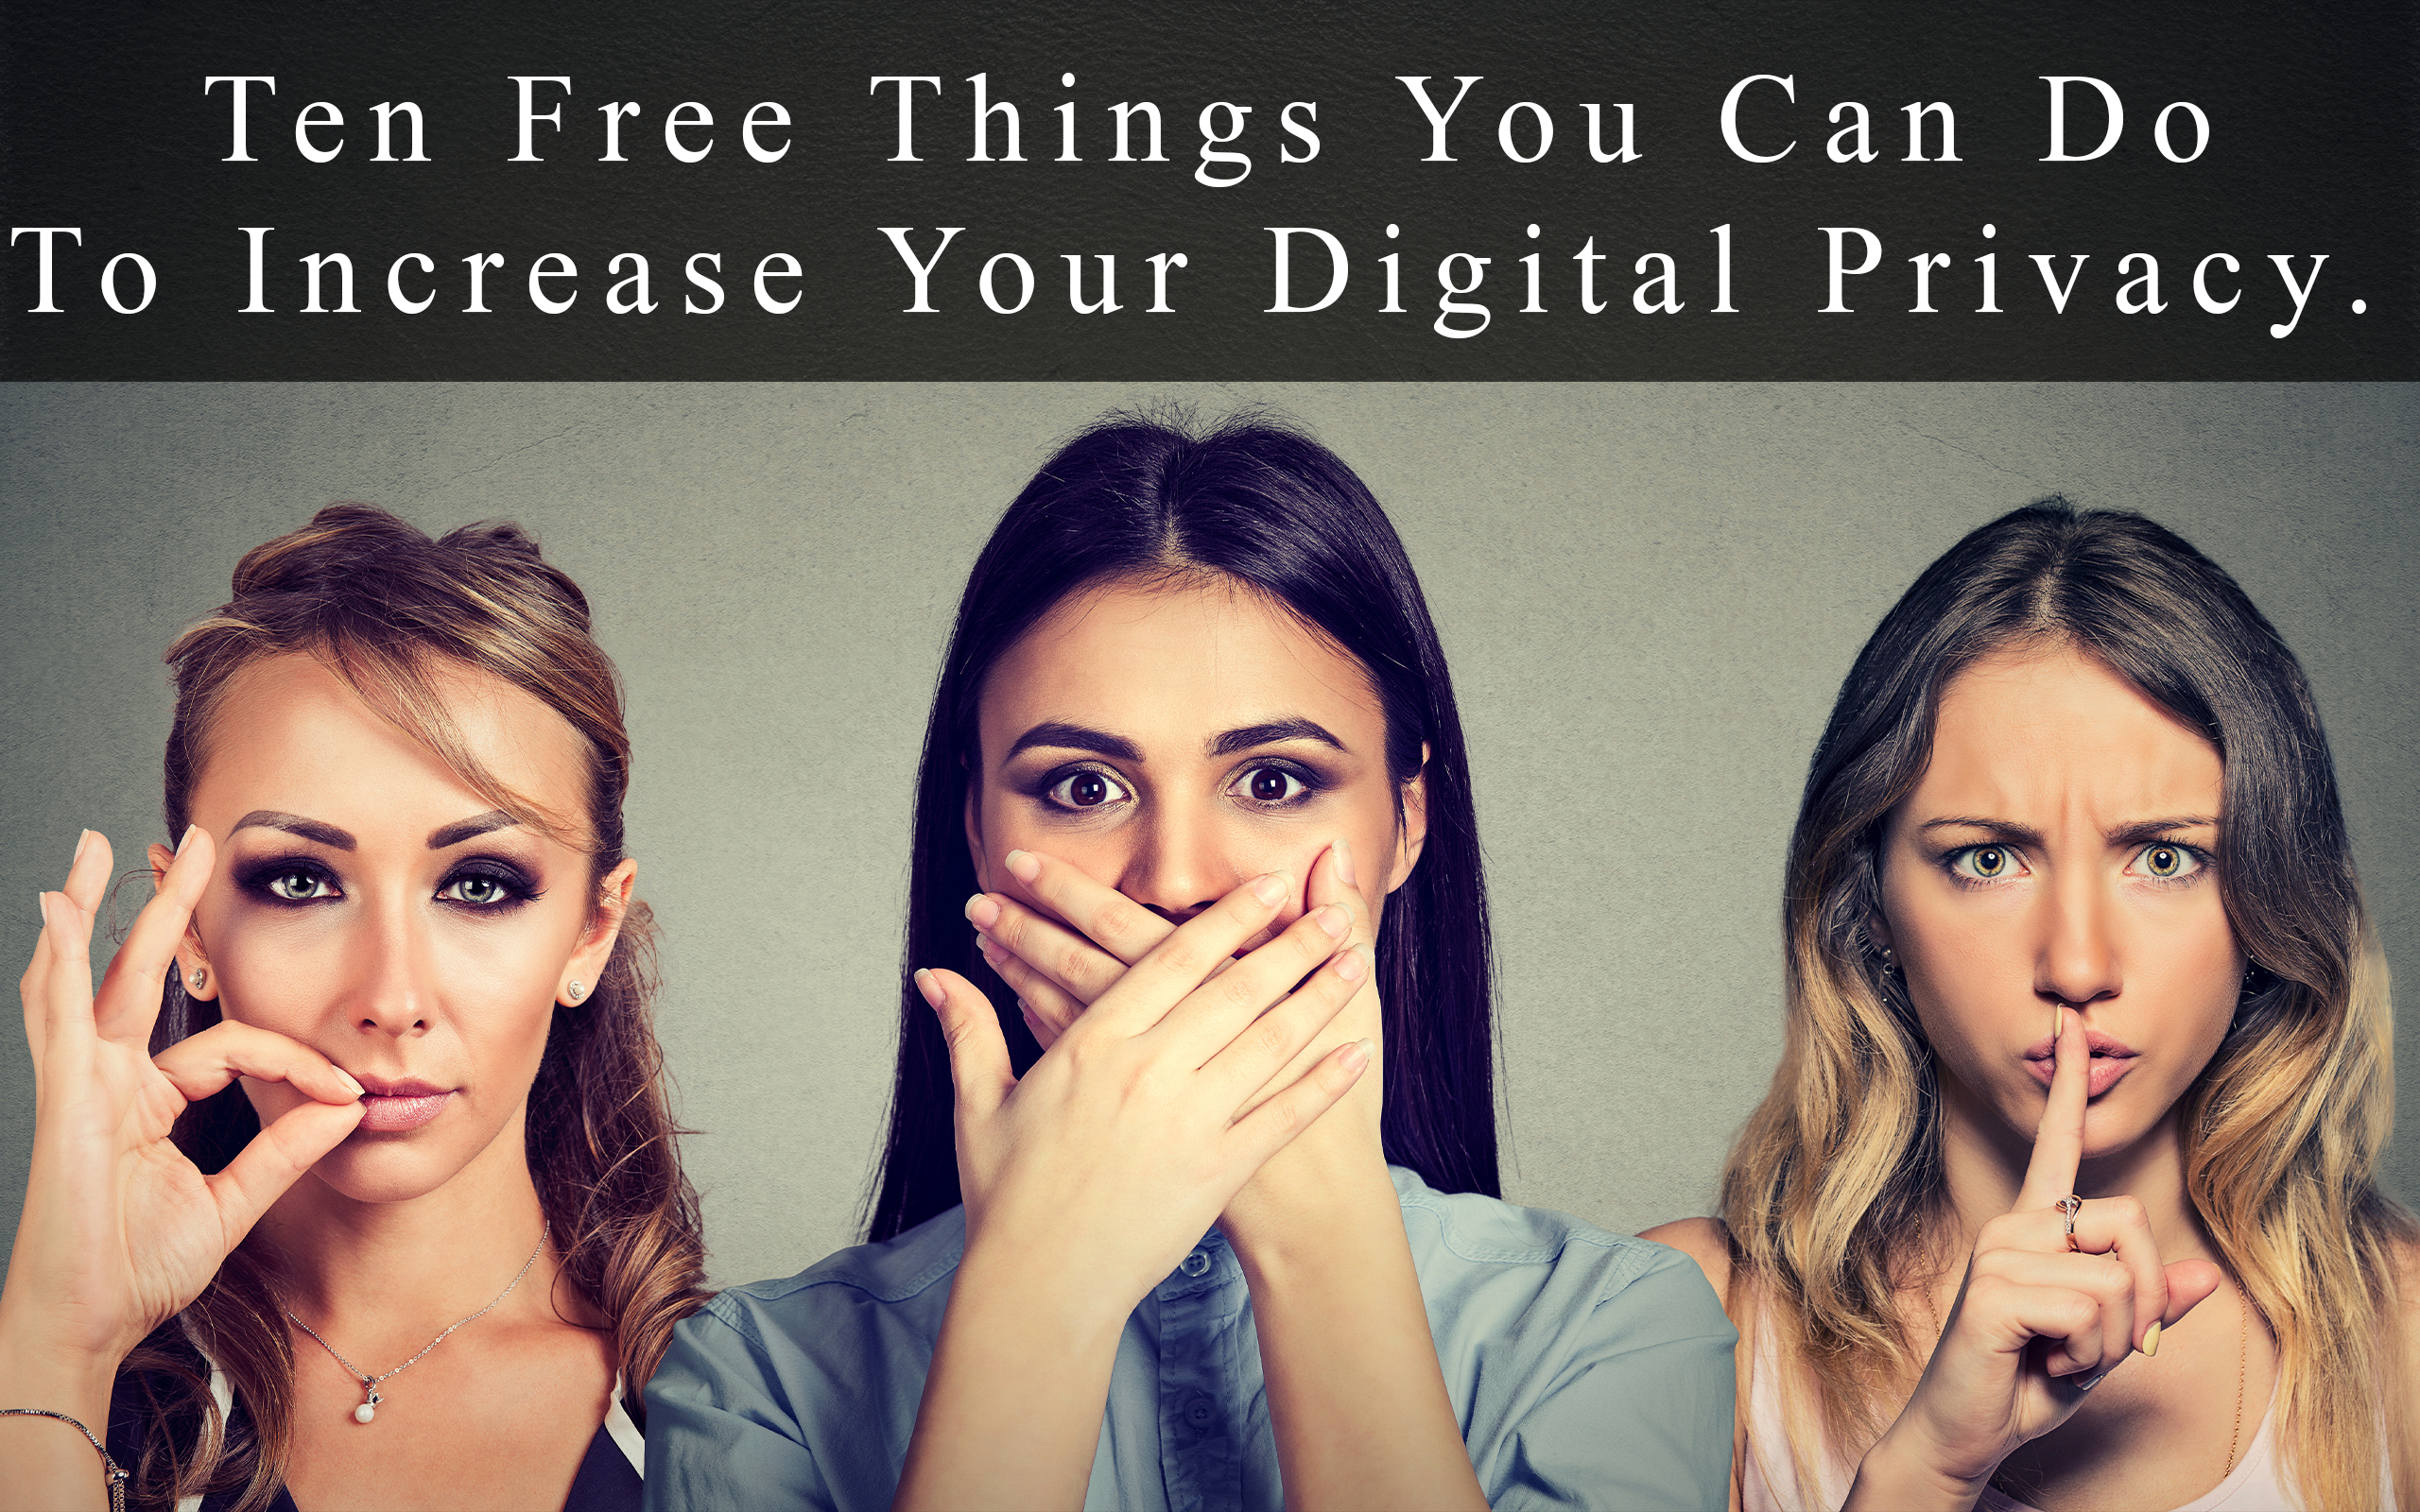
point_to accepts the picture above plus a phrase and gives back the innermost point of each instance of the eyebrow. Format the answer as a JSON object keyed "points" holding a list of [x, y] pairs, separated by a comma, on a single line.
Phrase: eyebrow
{"points": [[1080, 737], [1269, 734], [462, 830], [2137, 833], [1074, 737], [328, 834]]}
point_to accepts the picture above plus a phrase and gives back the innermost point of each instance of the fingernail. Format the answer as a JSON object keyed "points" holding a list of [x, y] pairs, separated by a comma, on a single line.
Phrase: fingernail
{"points": [[1357, 1055], [83, 838], [42, 908], [1343, 853], [2054, 1028], [2151, 1338], [1350, 965], [930, 985], [347, 1076], [1273, 888], [984, 947], [1334, 921], [190, 830], [981, 911], [1022, 864]]}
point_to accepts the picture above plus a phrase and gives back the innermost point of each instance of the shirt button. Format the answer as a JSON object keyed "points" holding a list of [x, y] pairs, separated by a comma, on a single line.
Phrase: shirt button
{"points": [[1199, 1411], [1197, 1264]]}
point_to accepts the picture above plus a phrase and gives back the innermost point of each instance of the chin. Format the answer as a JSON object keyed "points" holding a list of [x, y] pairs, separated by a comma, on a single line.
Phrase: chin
{"points": [[389, 1170]]}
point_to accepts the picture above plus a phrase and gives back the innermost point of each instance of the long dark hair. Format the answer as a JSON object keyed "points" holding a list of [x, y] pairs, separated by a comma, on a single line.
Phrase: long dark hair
{"points": [[1828, 1189], [1252, 500], [387, 607]]}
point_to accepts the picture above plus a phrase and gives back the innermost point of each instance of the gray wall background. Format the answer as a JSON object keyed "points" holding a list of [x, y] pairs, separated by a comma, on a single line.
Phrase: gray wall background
{"points": [[1650, 594]]}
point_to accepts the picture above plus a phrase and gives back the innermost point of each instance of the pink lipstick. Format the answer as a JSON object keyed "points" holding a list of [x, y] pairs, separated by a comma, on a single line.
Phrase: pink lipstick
{"points": [[2112, 1057], [392, 1107]]}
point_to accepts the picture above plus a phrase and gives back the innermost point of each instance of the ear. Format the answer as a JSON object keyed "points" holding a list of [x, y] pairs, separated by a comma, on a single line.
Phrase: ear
{"points": [[975, 835], [595, 946], [1878, 930], [1412, 834], [191, 957]]}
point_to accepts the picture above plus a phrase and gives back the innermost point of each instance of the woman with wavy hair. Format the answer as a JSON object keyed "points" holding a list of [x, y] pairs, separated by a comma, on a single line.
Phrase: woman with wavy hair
{"points": [[353, 1185], [2086, 1033], [1190, 1194]]}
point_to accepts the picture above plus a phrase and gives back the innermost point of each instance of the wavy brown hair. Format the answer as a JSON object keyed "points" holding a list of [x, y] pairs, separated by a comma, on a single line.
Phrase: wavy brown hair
{"points": [[388, 610], [1837, 1178]]}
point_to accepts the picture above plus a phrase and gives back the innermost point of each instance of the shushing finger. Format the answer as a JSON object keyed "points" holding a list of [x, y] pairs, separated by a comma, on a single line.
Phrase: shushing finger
{"points": [[2058, 1143]]}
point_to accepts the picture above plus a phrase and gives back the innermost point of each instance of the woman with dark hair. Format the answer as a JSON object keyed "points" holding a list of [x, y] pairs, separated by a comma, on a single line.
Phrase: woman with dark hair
{"points": [[2086, 1033], [372, 1086], [1194, 743]]}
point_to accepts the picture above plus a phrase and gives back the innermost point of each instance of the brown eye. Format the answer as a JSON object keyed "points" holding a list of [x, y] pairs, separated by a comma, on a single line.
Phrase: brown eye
{"points": [[1272, 784], [1989, 861], [1085, 789]]}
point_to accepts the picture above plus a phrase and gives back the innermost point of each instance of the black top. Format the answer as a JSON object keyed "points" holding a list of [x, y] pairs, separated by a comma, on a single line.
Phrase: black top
{"points": [[606, 1481]]}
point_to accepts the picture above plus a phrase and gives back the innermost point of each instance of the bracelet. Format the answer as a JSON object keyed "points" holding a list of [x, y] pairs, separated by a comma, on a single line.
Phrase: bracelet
{"points": [[109, 1467]]}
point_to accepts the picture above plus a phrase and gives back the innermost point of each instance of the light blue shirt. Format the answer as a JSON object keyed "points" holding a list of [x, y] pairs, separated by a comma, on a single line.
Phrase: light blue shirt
{"points": [[1587, 1370]]}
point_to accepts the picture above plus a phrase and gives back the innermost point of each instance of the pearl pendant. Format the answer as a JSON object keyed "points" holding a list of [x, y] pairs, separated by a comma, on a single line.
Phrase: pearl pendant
{"points": [[368, 1410]]}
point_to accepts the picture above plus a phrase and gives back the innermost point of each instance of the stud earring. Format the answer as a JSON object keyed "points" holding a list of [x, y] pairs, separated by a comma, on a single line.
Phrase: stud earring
{"points": [[198, 978], [576, 992]]}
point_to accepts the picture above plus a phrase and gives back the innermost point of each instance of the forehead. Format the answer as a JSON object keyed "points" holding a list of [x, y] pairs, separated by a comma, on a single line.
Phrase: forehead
{"points": [[1176, 663], [2039, 728], [289, 727]]}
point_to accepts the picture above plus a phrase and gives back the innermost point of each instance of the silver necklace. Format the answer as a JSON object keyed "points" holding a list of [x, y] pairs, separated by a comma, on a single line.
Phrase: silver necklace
{"points": [[368, 1409]]}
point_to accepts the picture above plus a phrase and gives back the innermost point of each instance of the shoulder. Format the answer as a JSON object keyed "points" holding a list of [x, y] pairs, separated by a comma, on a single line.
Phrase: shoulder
{"points": [[1704, 1240], [1487, 1253], [896, 1287]]}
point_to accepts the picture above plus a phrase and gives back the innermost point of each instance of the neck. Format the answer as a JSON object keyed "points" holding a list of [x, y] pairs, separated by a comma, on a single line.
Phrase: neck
{"points": [[400, 1264], [1983, 1162]]}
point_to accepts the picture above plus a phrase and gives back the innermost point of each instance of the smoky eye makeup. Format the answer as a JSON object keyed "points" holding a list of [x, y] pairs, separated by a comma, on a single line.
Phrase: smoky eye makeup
{"points": [[1076, 789], [1275, 783], [293, 880], [477, 884], [489, 885]]}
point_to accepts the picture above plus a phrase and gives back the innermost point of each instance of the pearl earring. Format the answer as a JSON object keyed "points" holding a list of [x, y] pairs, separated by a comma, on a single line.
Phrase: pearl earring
{"points": [[199, 977], [576, 992]]}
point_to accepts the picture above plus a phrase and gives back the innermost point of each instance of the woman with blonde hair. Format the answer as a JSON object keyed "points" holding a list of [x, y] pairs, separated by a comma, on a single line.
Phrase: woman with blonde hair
{"points": [[2064, 1194], [354, 1184]]}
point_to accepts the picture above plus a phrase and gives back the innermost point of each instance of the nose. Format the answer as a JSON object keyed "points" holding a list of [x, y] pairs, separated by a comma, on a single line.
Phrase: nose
{"points": [[2078, 958], [388, 992], [1178, 867]]}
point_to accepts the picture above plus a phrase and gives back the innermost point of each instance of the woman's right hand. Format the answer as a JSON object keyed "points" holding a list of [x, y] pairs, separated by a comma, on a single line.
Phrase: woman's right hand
{"points": [[1120, 1148], [2036, 1324], [120, 1230]]}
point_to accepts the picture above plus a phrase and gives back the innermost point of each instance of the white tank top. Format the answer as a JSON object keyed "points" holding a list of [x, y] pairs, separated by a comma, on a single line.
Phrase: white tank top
{"points": [[1769, 1479]]}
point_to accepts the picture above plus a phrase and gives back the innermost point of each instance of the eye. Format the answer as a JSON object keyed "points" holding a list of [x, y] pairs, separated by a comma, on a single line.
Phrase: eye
{"points": [[1271, 784], [2167, 863], [1086, 787], [484, 890], [1985, 863], [297, 884]]}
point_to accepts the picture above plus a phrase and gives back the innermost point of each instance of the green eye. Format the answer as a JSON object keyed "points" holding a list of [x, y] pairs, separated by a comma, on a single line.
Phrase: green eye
{"points": [[295, 887]]}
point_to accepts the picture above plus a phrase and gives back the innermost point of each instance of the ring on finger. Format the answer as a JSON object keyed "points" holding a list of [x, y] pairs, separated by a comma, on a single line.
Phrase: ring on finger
{"points": [[2068, 1206]]}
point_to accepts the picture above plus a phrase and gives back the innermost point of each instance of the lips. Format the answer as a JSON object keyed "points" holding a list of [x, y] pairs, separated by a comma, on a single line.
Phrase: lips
{"points": [[2112, 1057], [392, 1107]]}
